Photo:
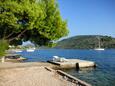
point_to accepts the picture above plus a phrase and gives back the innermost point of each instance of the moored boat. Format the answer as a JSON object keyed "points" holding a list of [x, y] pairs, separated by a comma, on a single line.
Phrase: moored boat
{"points": [[99, 49], [30, 50], [14, 57]]}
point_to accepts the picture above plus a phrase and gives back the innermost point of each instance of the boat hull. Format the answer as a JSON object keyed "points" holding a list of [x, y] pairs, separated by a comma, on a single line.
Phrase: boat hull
{"points": [[30, 50], [99, 49]]}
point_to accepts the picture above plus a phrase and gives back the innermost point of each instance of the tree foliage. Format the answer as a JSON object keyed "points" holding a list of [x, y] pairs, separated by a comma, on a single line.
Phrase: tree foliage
{"points": [[36, 20]]}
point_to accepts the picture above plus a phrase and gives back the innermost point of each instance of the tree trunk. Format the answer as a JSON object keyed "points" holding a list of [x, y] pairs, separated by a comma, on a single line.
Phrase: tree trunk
{"points": [[3, 59]]}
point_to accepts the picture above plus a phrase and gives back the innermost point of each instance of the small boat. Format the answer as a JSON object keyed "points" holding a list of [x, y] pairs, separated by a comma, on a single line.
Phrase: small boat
{"points": [[30, 50], [14, 57], [59, 59], [99, 49], [18, 50]]}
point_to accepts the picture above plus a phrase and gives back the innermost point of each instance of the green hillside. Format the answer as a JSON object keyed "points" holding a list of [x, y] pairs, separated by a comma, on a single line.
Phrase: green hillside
{"points": [[86, 42]]}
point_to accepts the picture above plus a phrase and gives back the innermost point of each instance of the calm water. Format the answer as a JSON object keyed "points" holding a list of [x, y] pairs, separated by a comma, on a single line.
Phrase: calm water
{"points": [[103, 75]]}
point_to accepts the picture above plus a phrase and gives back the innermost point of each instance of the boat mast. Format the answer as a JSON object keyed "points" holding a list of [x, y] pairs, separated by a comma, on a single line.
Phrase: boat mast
{"points": [[99, 42]]}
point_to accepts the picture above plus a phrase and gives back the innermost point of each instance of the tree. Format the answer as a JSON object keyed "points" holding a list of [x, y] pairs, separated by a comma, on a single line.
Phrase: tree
{"points": [[3, 47], [36, 20]]}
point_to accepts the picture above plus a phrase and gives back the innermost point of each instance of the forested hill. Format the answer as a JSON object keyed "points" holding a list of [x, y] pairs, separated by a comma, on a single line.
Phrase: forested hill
{"points": [[86, 42]]}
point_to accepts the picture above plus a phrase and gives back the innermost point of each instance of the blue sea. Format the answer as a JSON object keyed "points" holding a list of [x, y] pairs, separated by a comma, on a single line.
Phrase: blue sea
{"points": [[102, 75]]}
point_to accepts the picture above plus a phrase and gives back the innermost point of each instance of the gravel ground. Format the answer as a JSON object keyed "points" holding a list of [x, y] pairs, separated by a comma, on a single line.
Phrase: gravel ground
{"points": [[31, 76]]}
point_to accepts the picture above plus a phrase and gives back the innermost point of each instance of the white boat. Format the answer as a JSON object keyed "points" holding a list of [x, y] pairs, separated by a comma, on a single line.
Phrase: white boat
{"points": [[18, 50], [99, 45], [99, 49], [59, 59], [30, 50]]}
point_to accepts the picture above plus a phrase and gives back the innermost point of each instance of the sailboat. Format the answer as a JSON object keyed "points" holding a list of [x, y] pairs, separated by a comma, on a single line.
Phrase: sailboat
{"points": [[99, 45]]}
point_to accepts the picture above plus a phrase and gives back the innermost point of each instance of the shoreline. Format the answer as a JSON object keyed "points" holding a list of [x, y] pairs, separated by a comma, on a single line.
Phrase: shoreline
{"points": [[33, 72]]}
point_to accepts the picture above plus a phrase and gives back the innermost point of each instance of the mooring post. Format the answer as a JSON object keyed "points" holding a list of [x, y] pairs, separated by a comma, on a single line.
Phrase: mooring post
{"points": [[77, 66]]}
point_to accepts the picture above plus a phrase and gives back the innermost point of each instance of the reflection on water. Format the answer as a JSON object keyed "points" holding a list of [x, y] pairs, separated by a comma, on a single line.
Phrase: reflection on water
{"points": [[86, 69]]}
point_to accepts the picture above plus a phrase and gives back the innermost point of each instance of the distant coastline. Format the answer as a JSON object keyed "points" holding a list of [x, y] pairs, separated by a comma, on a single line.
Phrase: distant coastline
{"points": [[86, 42]]}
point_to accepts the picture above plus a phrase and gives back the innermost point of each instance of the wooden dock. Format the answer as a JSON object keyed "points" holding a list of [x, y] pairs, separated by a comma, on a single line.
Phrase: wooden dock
{"points": [[74, 63]]}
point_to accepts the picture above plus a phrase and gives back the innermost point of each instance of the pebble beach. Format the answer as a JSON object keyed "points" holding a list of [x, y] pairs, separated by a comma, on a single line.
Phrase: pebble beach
{"points": [[31, 76]]}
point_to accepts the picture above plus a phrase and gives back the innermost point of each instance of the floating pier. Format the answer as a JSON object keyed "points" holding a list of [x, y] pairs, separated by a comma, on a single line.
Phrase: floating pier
{"points": [[74, 63]]}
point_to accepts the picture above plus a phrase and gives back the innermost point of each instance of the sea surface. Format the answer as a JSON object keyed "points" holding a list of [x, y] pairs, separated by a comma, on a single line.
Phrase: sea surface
{"points": [[102, 75]]}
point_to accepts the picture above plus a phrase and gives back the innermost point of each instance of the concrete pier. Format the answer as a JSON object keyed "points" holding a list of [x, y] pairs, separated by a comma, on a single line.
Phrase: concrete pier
{"points": [[74, 63]]}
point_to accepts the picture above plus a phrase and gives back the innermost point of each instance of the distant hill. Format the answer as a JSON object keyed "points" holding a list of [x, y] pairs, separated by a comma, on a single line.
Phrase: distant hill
{"points": [[86, 42]]}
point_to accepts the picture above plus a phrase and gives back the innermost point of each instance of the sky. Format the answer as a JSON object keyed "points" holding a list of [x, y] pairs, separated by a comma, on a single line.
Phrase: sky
{"points": [[89, 17]]}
